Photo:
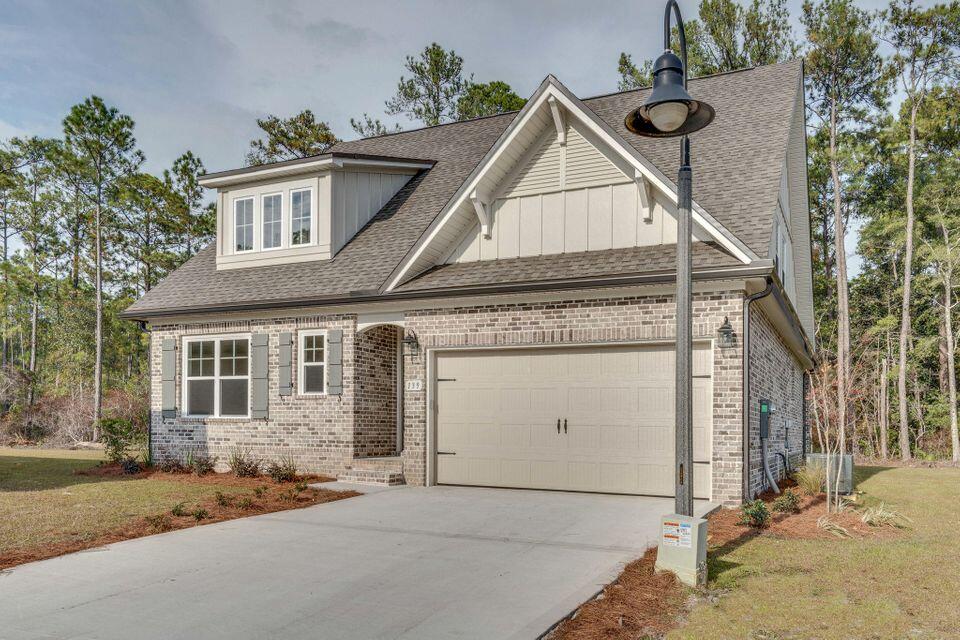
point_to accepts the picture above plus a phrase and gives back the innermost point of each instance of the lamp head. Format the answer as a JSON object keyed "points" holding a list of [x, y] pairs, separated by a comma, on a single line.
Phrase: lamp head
{"points": [[669, 110]]}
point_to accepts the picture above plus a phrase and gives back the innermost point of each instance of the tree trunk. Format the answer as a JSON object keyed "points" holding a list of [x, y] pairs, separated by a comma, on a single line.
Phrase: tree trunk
{"points": [[884, 406], [98, 363], [905, 306], [843, 302], [34, 314], [948, 330]]}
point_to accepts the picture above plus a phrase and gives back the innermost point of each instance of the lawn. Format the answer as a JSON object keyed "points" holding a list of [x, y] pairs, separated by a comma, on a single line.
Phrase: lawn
{"points": [[888, 586], [46, 505]]}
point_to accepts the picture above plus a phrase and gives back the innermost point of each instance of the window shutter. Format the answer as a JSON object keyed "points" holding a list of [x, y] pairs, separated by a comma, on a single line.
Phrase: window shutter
{"points": [[335, 361], [168, 378], [285, 364], [258, 374]]}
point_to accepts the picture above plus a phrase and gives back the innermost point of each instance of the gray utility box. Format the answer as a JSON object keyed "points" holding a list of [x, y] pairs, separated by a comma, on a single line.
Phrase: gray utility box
{"points": [[846, 473]]}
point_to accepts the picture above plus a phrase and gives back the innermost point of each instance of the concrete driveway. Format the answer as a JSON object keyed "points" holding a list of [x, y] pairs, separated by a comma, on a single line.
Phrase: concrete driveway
{"points": [[441, 562]]}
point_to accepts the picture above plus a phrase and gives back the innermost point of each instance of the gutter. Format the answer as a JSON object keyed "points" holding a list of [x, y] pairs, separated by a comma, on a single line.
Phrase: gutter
{"points": [[759, 268], [746, 383]]}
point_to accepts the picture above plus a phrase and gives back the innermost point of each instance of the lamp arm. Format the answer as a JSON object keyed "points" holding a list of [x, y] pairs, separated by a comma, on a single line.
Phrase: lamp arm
{"points": [[672, 4]]}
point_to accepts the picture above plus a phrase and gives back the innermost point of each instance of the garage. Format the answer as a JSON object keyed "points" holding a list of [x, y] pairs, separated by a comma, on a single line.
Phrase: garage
{"points": [[597, 418]]}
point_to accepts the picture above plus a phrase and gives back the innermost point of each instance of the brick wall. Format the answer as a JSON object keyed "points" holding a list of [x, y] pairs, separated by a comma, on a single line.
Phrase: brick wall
{"points": [[375, 373], [586, 321], [777, 376], [317, 431]]}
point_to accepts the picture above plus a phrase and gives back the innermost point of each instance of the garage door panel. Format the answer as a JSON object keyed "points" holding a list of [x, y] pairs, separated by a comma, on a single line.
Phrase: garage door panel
{"points": [[500, 417]]}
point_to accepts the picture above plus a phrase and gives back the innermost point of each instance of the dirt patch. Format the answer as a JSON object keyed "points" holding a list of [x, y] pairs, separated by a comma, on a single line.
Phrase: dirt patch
{"points": [[641, 603], [266, 497]]}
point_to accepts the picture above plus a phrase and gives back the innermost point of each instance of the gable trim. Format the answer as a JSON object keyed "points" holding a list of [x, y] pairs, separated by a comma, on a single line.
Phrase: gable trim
{"points": [[551, 89]]}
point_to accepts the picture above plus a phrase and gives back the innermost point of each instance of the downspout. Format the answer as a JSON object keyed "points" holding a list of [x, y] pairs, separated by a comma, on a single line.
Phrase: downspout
{"points": [[747, 494]]}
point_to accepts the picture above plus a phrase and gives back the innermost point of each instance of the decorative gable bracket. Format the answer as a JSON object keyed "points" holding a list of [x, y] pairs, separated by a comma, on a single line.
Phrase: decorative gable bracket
{"points": [[558, 120], [481, 204], [646, 199]]}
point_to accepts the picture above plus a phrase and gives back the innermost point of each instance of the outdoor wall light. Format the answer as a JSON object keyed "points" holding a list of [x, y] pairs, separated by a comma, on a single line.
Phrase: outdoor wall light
{"points": [[727, 338], [412, 344]]}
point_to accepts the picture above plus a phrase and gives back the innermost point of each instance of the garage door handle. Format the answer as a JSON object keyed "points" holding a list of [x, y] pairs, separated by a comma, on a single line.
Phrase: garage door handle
{"points": [[446, 453], [558, 425], [564, 425]]}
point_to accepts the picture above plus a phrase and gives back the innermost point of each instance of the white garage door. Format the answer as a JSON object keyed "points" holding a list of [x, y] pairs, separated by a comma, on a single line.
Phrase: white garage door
{"points": [[576, 419]]}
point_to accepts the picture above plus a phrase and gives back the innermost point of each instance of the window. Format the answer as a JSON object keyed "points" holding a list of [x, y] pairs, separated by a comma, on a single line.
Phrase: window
{"points": [[312, 362], [218, 377], [243, 224], [300, 216], [272, 221]]}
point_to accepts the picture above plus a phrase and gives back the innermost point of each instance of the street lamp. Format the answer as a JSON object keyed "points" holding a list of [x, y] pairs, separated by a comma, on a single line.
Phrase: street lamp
{"points": [[669, 112]]}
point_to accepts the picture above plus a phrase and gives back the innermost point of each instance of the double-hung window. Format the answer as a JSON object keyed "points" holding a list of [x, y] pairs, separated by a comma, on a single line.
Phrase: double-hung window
{"points": [[243, 224], [217, 377], [301, 216], [272, 221], [312, 362]]}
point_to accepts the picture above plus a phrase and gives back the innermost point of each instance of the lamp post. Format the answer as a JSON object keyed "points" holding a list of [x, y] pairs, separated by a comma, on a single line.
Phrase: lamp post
{"points": [[669, 112]]}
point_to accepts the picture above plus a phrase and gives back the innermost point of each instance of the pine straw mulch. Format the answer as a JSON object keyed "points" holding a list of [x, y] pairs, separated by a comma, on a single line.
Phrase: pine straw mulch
{"points": [[274, 497], [641, 603]]}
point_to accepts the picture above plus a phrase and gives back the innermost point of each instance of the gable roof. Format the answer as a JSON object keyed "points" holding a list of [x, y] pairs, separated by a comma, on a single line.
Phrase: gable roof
{"points": [[737, 162]]}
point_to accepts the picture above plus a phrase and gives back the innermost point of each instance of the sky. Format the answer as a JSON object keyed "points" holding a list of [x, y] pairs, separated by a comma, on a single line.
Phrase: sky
{"points": [[197, 75]]}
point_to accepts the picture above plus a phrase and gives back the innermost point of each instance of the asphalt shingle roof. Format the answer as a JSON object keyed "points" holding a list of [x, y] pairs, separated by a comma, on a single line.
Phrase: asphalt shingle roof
{"points": [[737, 162]]}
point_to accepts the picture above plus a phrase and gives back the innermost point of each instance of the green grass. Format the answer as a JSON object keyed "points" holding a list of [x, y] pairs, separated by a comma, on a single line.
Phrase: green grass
{"points": [[907, 586], [43, 501]]}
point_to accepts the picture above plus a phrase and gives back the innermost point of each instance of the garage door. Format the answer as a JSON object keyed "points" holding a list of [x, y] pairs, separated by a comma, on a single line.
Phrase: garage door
{"points": [[575, 419]]}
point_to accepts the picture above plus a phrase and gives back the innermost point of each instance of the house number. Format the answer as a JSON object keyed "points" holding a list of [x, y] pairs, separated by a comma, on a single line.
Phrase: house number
{"points": [[414, 385]]}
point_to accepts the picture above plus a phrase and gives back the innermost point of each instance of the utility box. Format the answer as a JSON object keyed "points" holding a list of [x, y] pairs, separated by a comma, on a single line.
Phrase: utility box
{"points": [[683, 548], [831, 462], [764, 419]]}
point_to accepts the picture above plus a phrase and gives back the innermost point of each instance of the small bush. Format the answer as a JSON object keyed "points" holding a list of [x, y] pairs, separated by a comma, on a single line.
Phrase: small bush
{"points": [[172, 465], [159, 523], [222, 499], [243, 464], [283, 470], [179, 509], [131, 466], [200, 514], [301, 486], [787, 502], [260, 491], [755, 514], [245, 503], [811, 479], [881, 516], [290, 495], [117, 436], [200, 464]]}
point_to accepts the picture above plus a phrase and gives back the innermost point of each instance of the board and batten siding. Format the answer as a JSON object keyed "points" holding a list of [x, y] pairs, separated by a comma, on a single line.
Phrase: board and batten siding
{"points": [[357, 197]]}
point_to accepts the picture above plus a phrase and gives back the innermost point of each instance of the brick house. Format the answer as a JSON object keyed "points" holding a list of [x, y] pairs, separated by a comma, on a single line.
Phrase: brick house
{"points": [[489, 302]]}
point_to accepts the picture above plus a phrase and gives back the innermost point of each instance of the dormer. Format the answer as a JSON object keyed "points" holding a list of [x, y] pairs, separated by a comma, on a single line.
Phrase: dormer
{"points": [[301, 210]]}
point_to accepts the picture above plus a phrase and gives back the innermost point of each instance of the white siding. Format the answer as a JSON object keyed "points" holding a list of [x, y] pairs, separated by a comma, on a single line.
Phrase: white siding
{"points": [[357, 197]]}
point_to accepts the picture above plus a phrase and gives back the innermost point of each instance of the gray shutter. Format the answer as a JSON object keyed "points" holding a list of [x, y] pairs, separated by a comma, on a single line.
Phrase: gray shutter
{"points": [[168, 378], [258, 374], [334, 361], [285, 364]]}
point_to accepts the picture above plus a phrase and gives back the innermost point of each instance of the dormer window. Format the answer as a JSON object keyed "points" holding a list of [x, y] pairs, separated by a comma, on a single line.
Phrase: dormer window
{"points": [[243, 224], [273, 221], [301, 216]]}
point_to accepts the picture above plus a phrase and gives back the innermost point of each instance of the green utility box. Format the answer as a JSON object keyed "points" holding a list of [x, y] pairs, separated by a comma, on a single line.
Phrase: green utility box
{"points": [[831, 461]]}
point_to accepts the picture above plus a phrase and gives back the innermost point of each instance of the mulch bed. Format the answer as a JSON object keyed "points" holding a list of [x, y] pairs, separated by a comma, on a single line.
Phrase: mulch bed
{"points": [[274, 497], [641, 603]]}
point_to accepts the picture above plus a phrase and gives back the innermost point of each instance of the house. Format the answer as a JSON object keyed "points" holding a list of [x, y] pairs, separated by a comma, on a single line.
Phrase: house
{"points": [[489, 302]]}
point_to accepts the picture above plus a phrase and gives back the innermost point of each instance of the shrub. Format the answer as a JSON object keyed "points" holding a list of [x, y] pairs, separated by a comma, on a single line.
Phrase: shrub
{"points": [[243, 464], [787, 502], [118, 435], [283, 470], [260, 491], [755, 514], [131, 466], [811, 479], [222, 499], [245, 503], [179, 509], [159, 523], [200, 464], [301, 486], [172, 465], [200, 514]]}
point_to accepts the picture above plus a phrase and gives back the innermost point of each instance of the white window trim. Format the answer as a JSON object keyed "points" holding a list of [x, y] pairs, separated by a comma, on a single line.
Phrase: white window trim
{"points": [[313, 219], [233, 225], [184, 349], [283, 224], [301, 364]]}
